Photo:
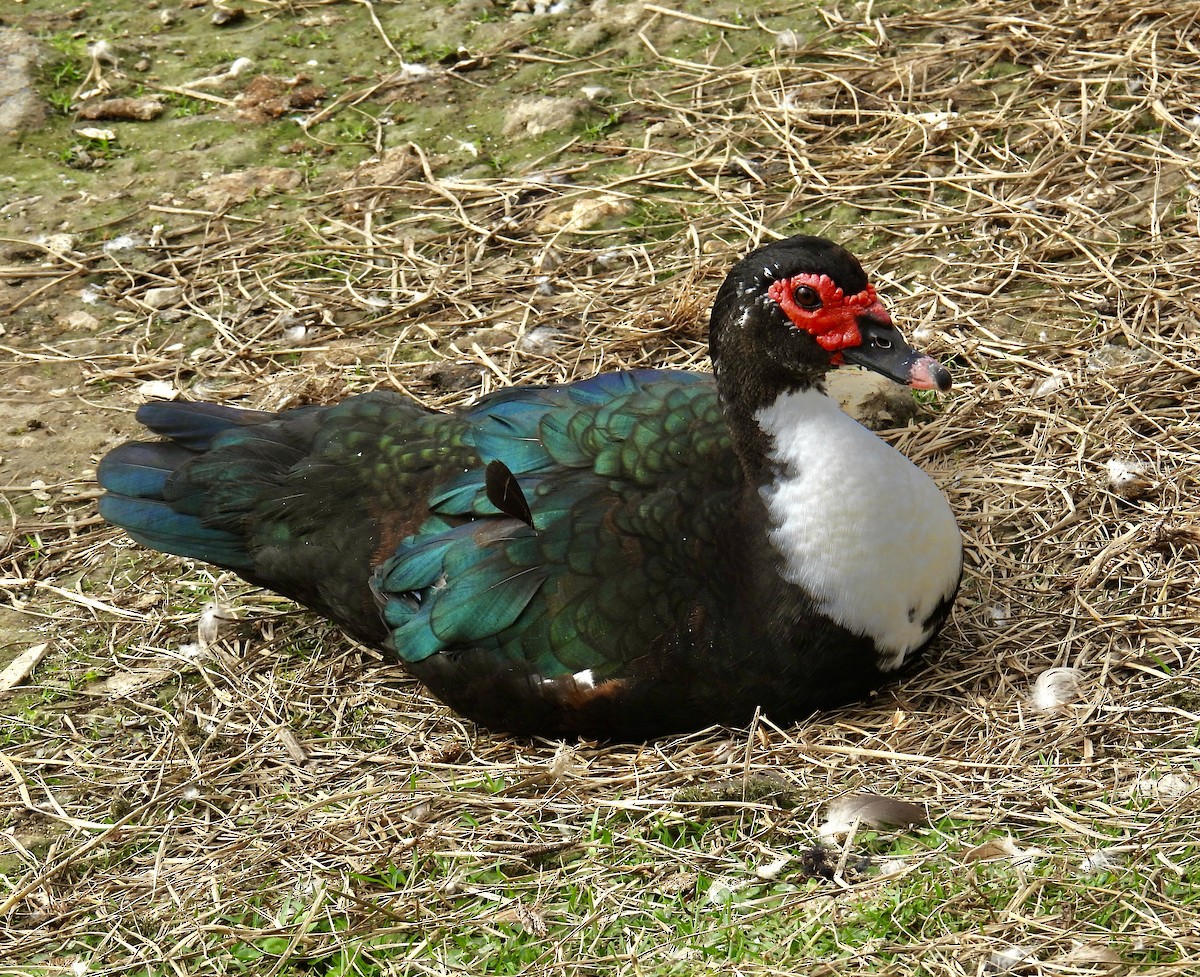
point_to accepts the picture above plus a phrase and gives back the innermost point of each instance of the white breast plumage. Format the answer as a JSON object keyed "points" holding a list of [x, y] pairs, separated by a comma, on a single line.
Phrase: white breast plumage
{"points": [[863, 530]]}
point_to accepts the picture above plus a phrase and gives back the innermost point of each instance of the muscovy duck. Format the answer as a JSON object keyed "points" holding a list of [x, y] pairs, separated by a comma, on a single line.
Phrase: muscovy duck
{"points": [[643, 552]]}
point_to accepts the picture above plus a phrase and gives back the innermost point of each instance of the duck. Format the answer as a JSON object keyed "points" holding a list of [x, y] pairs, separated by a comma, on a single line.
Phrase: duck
{"points": [[640, 553]]}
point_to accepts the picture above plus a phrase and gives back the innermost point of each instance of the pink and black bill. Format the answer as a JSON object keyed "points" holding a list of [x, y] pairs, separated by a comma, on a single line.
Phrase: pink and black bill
{"points": [[884, 350]]}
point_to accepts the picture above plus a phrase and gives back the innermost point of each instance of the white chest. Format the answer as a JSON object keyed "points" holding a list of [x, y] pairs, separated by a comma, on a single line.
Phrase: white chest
{"points": [[860, 528]]}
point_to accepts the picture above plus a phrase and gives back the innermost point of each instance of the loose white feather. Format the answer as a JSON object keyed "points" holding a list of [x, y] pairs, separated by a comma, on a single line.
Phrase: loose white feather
{"points": [[1127, 478], [843, 813], [208, 628], [1056, 689], [1011, 959]]}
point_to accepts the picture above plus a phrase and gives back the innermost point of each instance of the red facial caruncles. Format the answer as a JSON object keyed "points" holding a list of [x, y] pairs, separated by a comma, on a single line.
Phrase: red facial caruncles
{"points": [[819, 307]]}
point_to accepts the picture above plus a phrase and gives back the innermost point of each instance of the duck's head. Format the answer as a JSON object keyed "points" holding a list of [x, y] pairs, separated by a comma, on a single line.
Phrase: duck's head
{"points": [[791, 311]]}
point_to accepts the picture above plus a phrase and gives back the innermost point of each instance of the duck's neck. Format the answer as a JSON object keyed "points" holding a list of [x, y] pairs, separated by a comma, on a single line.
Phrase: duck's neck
{"points": [[746, 395], [753, 370]]}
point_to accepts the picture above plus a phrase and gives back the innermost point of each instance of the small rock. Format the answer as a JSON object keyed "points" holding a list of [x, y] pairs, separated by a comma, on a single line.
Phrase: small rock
{"points": [[61, 244], [137, 109], [235, 188], [158, 390], [228, 16], [162, 298], [21, 110], [584, 214], [536, 116], [79, 320], [100, 135]]}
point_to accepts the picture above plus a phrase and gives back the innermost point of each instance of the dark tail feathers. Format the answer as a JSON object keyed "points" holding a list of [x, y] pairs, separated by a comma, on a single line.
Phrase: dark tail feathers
{"points": [[135, 477]]}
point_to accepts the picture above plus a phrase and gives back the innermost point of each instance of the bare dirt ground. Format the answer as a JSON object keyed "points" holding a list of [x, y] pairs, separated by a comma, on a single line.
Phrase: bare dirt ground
{"points": [[445, 200]]}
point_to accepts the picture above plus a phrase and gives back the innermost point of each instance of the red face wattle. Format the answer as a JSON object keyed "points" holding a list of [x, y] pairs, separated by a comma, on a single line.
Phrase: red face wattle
{"points": [[815, 304], [855, 328]]}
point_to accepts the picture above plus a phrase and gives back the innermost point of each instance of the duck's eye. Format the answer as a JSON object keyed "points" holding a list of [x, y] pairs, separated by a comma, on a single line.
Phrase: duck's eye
{"points": [[881, 343], [807, 297]]}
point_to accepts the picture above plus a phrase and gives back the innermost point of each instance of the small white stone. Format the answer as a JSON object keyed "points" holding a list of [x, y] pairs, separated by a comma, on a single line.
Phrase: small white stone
{"points": [[158, 390], [58, 243], [162, 298], [94, 132]]}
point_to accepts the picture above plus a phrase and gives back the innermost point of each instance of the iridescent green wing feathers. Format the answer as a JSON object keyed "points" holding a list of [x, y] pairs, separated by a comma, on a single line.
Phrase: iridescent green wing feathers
{"points": [[375, 512], [629, 478]]}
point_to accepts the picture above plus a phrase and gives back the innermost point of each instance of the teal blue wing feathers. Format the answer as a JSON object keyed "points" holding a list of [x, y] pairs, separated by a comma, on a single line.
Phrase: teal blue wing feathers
{"points": [[612, 561]]}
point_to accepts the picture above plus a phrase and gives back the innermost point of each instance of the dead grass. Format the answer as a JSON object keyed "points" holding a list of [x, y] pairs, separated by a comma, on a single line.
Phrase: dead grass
{"points": [[1021, 178]]}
